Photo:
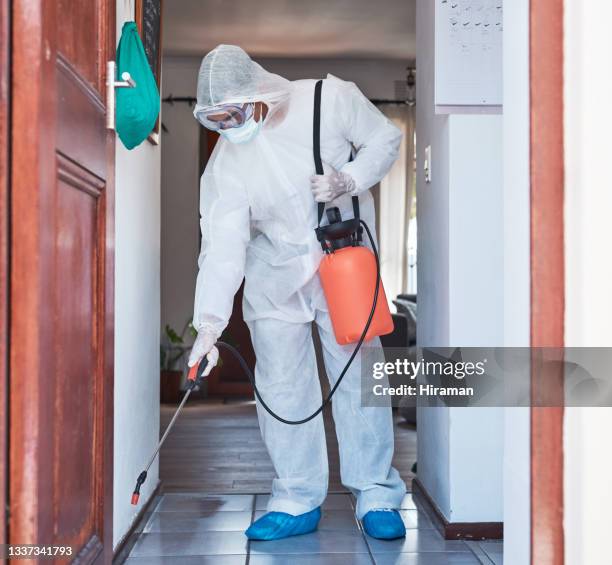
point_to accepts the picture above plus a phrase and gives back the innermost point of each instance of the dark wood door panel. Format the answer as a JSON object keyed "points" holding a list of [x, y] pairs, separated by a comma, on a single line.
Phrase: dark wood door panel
{"points": [[78, 372], [80, 25], [81, 133]]}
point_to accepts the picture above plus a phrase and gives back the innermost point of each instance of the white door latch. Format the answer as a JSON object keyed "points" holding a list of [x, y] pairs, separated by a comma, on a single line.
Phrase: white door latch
{"points": [[126, 82], [427, 164]]}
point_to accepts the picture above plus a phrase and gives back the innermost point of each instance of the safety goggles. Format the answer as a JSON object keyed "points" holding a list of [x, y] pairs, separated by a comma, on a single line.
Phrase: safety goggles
{"points": [[225, 117]]}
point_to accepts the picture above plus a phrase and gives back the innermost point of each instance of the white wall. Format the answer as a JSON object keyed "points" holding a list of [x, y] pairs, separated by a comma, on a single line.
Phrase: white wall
{"points": [[433, 259], [476, 464], [432, 199], [460, 281], [516, 302], [137, 297], [180, 180], [476, 307], [180, 196], [476, 289], [588, 271]]}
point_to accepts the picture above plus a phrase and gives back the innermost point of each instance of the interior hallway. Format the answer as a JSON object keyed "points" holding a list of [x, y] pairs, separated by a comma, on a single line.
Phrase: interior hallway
{"points": [[216, 476]]}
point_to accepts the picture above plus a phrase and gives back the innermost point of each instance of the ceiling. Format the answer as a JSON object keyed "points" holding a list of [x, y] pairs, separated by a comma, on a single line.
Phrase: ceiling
{"points": [[292, 28]]}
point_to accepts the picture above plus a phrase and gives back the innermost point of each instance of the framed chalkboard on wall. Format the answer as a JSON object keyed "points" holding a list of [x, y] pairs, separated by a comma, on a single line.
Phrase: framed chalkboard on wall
{"points": [[148, 14]]}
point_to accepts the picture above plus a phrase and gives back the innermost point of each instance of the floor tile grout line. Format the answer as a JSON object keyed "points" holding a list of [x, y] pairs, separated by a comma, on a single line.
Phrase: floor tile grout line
{"points": [[150, 518], [489, 556], [365, 539], [469, 546], [248, 556]]}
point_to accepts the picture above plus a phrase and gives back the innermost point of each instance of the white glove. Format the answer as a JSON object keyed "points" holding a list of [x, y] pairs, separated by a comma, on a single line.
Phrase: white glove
{"points": [[204, 344], [330, 185]]}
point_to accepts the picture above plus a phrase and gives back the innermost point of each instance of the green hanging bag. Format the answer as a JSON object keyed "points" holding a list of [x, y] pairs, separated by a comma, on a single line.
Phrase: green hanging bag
{"points": [[136, 108]]}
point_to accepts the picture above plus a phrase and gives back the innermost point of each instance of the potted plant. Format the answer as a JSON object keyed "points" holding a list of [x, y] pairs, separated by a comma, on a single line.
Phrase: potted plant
{"points": [[172, 362]]}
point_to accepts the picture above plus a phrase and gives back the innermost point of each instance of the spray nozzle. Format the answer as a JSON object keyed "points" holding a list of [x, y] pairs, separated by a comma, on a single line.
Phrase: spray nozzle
{"points": [[139, 481]]}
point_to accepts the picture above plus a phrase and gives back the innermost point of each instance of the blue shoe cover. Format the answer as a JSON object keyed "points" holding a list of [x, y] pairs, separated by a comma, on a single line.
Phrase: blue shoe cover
{"points": [[278, 525], [384, 524]]}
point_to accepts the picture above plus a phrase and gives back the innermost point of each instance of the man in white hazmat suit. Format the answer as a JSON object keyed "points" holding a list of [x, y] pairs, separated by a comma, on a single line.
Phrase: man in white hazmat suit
{"points": [[258, 206]]}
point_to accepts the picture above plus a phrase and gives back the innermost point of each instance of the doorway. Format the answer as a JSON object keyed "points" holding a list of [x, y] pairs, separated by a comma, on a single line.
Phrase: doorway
{"points": [[216, 449]]}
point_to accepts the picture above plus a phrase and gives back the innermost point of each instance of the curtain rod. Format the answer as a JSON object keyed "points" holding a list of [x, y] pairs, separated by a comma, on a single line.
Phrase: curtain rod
{"points": [[376, 101], [172, 99], [191, 100]]}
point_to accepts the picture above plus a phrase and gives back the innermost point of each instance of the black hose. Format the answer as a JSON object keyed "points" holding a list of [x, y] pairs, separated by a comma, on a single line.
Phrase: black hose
{"points": [[251, 377]]}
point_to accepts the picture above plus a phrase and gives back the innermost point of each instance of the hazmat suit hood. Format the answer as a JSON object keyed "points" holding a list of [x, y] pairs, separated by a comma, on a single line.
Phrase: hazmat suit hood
{"points": [[229, 76]]}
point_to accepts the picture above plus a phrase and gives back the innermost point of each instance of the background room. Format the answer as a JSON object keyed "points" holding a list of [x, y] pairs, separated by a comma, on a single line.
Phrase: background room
{"points": [[380, 60]]}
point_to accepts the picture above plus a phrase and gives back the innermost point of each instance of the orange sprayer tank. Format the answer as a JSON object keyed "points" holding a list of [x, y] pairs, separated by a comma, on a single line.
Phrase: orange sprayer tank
{"points": [[348, 277]]}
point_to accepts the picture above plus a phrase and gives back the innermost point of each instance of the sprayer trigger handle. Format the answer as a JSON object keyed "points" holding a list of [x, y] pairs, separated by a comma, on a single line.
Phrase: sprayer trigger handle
{"points": [[195, 373]]}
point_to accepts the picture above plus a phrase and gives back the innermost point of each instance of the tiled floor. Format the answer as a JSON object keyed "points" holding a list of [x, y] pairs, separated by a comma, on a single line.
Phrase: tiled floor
{"points": [[197, 528], [216, 448]]}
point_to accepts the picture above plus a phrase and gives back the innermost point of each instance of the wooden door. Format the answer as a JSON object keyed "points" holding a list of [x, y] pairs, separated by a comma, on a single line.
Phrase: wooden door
{"points": [[61, 330]]}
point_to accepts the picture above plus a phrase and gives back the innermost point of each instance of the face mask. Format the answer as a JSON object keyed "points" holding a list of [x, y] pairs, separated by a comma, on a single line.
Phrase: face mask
{"points": [[244, 133]]}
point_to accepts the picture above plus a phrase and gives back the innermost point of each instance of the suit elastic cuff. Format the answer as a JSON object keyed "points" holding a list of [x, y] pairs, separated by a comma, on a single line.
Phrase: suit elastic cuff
{"points": [[353, 172], [211, 328]]}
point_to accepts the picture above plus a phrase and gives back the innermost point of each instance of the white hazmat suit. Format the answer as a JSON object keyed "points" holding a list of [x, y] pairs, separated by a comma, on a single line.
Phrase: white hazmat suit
{"points": [[258, 217]]}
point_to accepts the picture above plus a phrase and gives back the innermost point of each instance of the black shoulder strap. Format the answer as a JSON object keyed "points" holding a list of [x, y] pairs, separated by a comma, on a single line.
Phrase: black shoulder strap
{"points": [[316, 129], [316, 149], [316, 142]]}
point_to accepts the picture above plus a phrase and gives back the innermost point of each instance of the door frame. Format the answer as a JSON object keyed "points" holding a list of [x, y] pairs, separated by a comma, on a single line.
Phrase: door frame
{"points": [[4, 250], [547, 275], [33, 158]]}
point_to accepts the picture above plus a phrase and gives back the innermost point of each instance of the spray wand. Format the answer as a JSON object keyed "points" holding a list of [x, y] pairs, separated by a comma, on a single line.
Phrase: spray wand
{"points": [[194, 378]]}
